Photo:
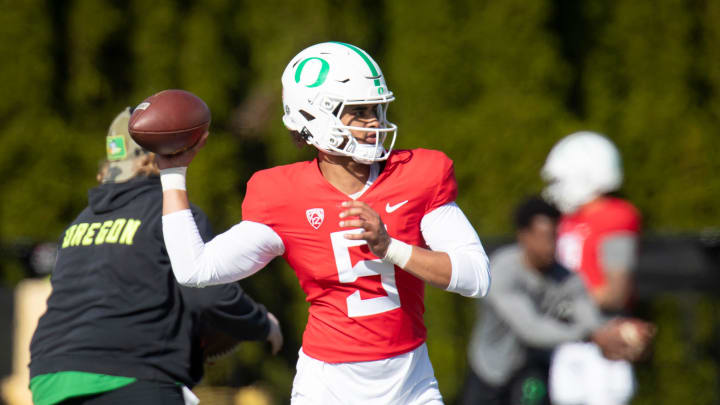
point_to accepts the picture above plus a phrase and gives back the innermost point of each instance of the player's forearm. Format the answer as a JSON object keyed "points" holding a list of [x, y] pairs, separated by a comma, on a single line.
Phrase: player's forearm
{"points": [[608, 299], [432, 267], [174, 191], [174, 201], [182, 238], [463, 269], [185, 247], [615, 293]]}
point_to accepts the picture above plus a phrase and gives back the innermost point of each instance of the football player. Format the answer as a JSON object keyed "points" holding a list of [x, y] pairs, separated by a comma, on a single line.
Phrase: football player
{"points": [[598, 233], [363, 226], [598, 238]]}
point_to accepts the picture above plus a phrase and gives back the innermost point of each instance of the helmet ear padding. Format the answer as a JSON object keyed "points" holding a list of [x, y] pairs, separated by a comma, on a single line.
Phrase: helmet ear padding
{"points": [[319, 82]]}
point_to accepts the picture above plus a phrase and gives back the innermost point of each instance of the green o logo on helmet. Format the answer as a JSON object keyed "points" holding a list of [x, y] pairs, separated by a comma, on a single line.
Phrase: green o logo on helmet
{"points": [[324, 68]]}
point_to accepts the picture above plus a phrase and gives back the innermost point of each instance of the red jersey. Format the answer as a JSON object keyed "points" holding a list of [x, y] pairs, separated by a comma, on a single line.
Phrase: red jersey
{"points": [[361, 308], [581, 234]]}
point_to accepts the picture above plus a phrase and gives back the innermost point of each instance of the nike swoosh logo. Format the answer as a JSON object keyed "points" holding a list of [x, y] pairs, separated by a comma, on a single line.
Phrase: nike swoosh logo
{"points": [[390, 208]]}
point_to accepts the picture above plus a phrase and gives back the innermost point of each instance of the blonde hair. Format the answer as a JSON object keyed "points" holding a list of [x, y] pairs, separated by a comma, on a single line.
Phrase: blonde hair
{"points": [[146, 166]]}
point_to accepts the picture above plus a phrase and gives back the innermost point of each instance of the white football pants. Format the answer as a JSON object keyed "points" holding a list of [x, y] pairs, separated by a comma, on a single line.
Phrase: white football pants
{"points": [[580, 375], [404, 379]]}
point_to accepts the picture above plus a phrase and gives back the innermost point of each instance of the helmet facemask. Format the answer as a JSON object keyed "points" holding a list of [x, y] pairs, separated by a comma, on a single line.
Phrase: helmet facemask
{"points": [[343, 143]]}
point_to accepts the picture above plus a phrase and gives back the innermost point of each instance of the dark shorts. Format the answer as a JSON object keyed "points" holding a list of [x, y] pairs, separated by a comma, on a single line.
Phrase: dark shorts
{"points": [[137, 393], [527, 387]]}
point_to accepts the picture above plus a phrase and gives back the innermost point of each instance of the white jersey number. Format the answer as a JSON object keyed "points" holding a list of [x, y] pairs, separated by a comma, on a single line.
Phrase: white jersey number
{"points": [[570, 250], [349, 273]]}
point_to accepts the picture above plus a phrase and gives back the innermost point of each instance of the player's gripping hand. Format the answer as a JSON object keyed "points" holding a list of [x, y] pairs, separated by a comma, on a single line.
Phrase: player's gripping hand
{"points": [[625, 339], [638, 335], [358, 214], [182, 159]]}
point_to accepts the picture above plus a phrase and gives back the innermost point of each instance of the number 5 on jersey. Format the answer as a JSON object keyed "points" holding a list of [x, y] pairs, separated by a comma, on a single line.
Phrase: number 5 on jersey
{"points": [[348, 273]]}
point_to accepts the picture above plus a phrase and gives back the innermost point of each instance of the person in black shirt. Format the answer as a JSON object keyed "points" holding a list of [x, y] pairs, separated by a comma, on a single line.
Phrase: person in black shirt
{"points": [[118, 328]]}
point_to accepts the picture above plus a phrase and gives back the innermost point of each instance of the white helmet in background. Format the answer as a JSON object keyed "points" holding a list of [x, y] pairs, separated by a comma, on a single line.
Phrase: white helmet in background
{"points": [[580, 167], [319, 82]]}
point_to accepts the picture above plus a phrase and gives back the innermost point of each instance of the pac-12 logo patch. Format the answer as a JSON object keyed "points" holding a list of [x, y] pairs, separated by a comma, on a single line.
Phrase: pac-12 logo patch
{"points": [[315, 216]]}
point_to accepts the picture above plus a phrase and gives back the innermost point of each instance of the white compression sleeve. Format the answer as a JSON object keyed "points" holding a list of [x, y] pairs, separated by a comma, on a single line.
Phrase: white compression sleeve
{"points": [[446, 229], [232, 255]]}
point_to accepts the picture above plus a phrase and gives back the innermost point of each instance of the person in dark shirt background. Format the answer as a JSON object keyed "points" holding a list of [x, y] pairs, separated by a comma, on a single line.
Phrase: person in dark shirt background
{"points": [[118, 328]]}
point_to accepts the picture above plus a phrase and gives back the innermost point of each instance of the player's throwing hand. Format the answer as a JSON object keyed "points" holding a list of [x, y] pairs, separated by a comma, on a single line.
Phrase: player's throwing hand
{"points": [[182, 159]]}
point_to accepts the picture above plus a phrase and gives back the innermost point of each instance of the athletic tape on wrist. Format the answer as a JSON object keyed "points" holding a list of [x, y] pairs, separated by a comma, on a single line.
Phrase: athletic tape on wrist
{"points": [[398, 253], [173, 178]]}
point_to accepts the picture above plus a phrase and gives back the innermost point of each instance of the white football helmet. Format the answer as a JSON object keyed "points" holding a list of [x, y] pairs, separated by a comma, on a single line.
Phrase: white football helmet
{"points": [[319, 82], [579, 168]]}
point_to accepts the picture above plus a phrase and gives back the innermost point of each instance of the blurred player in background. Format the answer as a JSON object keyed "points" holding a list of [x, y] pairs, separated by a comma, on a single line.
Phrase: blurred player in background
{"points": [[118, 328], [363, 226], [535, 305], [597, 238], [598, 235]]}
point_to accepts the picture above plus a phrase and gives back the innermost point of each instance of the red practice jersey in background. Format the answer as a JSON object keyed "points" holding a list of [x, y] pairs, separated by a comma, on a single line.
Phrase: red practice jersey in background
{"points": [[581, 234], [361, 308]]}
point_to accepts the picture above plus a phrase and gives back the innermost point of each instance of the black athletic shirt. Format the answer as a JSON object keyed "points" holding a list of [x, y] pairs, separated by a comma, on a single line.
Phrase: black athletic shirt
{"points": [[115, 307]]}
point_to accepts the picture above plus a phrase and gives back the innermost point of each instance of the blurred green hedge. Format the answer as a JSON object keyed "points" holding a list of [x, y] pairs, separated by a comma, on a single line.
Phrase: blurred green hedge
{"points": [[493, 84]]}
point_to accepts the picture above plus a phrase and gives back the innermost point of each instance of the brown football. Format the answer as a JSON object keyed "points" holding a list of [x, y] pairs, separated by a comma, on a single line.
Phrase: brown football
{"points": [[169, 122]]}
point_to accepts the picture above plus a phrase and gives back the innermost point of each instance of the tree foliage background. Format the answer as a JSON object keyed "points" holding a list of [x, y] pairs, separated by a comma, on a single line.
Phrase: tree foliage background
{"points": [[492, 83]]}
